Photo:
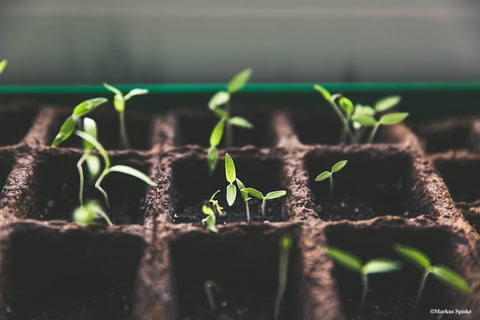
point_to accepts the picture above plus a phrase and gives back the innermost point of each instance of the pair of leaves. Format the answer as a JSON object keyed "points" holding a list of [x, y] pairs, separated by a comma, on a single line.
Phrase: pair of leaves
{"points": [[442, 273], [269, 196], [335, 168], [210, 221], [3, 64], [387, 119], [231, 176], [119, 99]]}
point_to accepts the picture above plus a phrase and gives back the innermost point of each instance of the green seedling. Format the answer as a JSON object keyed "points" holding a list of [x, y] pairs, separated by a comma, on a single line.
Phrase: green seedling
{"points": [[285, 244], [3, 64], [226, 121], [329, 174], [231, 176], [353, 263], [385, 120], [245, 197], [119, 101], [209, 286], [442, 273], [110, 169], [74, 120], [269, 196], [210, 209], [87, 213]]}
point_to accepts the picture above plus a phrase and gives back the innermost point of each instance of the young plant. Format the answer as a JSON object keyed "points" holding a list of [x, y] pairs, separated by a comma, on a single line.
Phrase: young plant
{"points": [[110, 169], [87, 213], [231, 175], [119, 101], [3, 64], [208, 287], [353, 263], [74, 120], [385, 120], [285, 244], [245, 197], [226, 121], [442, 273], [210, 209], [329, 174], [269, 196]]}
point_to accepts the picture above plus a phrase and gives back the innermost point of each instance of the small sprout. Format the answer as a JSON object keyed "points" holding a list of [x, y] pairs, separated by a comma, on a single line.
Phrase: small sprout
{"points": [[329, 174], [353, 263], [209, 286], [442, 273], [230, 174], [87, 213], [285, 244], [3, 64], [269, 196], [211, 219], [119, 101], [245, 197], [215, 139], [385, 120]]}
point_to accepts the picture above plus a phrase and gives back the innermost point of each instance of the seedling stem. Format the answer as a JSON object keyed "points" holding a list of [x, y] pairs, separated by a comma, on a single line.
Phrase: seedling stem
{"points": [[285, 244]]}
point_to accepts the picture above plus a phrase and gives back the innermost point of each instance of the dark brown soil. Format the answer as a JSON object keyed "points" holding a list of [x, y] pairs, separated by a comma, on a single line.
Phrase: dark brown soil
{"points": [[15, 122]]}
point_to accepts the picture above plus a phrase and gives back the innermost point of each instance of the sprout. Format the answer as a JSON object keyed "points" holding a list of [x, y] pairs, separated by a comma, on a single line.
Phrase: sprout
{"points": [[285, 244], [87, 213], [442, 273], [208, 286], [223, 98], [109, 169], [385, 120], [119, 101], [73, 120], [245, 197], [329, 174], [211, 220], [3, 64], [269, 196], [353, 263], [231, 176]]}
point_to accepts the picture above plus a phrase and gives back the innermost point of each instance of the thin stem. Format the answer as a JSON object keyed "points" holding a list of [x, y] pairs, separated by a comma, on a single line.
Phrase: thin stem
{"points": [[229, 129], [99, 188], [343, 136], [422, 285], [372, 133], [282, 281], [124, 143], [248, 210], [208, 286], [346, 128], [264, 203], [365, 288], [82, 178], [331, 187]]}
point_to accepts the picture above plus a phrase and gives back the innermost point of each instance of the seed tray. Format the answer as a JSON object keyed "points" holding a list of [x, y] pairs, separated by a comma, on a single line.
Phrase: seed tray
{"points": [[152, 264]]}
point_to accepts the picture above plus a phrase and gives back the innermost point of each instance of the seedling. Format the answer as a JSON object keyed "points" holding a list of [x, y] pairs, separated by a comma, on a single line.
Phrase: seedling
{"points": [[353, 263], [269, 196], [442, 273], [3, 64], [211, 219], [223, 98], [245, 197], [109, 169], [385, 120], [285, 244], [209, 286], [119, 101], [87, 213], [74, 120], [329, 174]]}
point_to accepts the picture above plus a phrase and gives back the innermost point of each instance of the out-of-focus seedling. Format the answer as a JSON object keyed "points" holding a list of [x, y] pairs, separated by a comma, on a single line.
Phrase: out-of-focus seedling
{"points": [[385, 120], [329, 174], [269, 196], [87, 213], [353, 263], [442, 273], [226, 121], [3, 64], [285, 244], [210, 209], [119, 101], [209, 286]]}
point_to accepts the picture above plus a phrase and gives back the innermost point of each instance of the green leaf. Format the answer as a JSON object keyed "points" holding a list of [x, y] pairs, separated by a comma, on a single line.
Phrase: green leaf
{"points": [[381, 266], [66, 130], [218, 99], [220, 113], [239, 81], [365, 120], [95, 207], [88, 105], [230, 173], [210, 221], [207, 210], [93, 166], [133, 172], [119, 103], [387, 103], [240, 122], [135, 92], [393, 118], [112, 89], [324, 175], [254, 192], [339, 166], [217, 133], [451, 278], [346, 104], [323, 91], [241, 187], [96, 144], [345, 258], [285, 242], [83, 215], [275, 194], [89, 127], [231, 194], [3, 64], [364, 110], [212, 157], [413, 255]]}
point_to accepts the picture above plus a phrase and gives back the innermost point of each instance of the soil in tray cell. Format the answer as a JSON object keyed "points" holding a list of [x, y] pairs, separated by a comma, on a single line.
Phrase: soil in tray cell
{"points": [[70, 276], [139, 130], [15, 124], [369, 185], [195, 128], [244, 268], [193, 186], [392, 295], [462, 177], [323, 127], [57, 191]]}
